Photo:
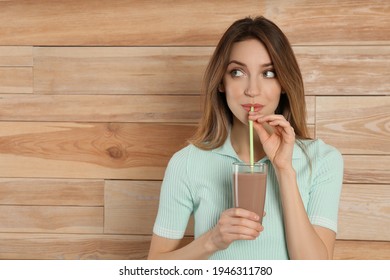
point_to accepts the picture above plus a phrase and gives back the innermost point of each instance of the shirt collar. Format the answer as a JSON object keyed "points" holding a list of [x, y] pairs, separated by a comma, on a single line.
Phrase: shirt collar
{"points": [[227, 150]]}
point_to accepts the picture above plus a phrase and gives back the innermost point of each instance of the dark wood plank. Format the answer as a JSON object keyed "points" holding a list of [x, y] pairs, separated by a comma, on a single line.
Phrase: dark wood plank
{"points": [[89, 150]]}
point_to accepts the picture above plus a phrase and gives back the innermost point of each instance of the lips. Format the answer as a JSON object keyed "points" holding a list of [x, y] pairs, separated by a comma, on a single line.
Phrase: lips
{"points": [[256, 107]]}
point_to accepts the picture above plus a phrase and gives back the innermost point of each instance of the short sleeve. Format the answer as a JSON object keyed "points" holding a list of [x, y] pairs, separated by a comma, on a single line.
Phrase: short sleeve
{"points": [[176, 203], [325, 192]]}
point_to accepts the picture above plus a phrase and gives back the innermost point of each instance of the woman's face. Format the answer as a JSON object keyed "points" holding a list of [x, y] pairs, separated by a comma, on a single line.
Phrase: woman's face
{"points": [[250, 80]]}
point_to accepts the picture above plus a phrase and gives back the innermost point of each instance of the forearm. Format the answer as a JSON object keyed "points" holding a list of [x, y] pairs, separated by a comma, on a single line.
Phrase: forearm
{"points": [[198, 249], [302, 240]]}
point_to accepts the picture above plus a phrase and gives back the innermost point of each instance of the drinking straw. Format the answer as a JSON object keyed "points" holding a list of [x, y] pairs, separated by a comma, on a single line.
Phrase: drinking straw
{"points": [[251, 153]]}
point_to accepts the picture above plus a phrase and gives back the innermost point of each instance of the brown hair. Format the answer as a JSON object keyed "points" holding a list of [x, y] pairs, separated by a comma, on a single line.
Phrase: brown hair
{"points": [[217, 117]]}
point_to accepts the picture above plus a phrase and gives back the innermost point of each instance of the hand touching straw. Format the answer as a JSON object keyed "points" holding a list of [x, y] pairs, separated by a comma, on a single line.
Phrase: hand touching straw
{"points": [[251, 153]]}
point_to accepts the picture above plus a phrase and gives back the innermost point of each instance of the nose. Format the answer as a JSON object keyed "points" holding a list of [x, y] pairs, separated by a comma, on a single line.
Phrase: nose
{"points": [[253, 88]]}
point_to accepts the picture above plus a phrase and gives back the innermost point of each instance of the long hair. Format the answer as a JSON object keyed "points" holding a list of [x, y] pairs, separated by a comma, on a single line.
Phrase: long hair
{"points": [[217, 117]]}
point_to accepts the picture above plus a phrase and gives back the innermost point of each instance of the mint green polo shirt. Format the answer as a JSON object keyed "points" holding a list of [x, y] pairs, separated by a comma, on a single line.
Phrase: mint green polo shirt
{"points": [[199, 183]]}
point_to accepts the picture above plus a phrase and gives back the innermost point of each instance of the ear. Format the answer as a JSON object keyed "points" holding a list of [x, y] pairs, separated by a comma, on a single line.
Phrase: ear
{"points": [[221, 87]]}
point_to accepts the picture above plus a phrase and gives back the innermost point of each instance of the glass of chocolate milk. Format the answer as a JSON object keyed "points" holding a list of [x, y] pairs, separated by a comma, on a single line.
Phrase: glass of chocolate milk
{"points": [[249, 186]]}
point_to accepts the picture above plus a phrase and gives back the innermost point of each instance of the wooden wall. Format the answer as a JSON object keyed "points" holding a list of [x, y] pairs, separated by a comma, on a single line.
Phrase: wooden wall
{"points": [[95, 97]]}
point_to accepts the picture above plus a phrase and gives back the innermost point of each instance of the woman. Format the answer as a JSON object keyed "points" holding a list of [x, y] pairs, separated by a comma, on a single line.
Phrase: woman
{"points": [[253, 66]]}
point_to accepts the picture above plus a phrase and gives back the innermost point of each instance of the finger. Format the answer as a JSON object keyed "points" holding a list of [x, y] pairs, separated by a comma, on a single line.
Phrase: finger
{"points": [[242, 213], [261, 132]]}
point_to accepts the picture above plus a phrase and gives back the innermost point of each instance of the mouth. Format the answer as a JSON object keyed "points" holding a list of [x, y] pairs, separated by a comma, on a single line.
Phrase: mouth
{"points": [[256, 107]]}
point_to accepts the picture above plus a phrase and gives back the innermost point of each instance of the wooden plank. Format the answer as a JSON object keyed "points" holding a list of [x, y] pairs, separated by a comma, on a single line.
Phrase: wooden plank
{"points": [[361, 250], [16, 56], [16, 80], [131, 207], [51, 219], [364, 212], [48, 22], [345, 70], [100, 108], [33, 246], [332, 22], [355, 125], [89, 150], [65, 192], [109, 108], [114, 70], [361, 169], [310, 109]]}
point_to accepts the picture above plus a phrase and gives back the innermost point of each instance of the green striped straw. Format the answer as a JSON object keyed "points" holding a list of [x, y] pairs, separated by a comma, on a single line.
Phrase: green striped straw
{"points": [[251, 153]]}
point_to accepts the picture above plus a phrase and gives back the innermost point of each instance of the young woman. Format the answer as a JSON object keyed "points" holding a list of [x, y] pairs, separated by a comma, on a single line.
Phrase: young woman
{"points": [[253, 66]]}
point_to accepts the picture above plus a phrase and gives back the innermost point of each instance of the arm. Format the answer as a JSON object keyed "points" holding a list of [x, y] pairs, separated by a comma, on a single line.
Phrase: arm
{"points": [[304, 240], [234, 224]]}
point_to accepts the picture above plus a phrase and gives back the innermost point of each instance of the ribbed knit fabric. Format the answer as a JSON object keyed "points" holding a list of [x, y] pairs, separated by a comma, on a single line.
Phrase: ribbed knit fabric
{"points": [[199, 183]]}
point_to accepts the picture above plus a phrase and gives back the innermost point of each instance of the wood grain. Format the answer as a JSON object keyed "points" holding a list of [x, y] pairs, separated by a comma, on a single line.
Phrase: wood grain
{"points": [[101, 108], [125, 22], [74, 22], [89, 150], [345, 70], [16, 80], [332, 22], [361, 250], [65, 192], [32, 246], [355, 125], [364, 212], [135, 70], [361, 169], [51, 219], [16, 56]]}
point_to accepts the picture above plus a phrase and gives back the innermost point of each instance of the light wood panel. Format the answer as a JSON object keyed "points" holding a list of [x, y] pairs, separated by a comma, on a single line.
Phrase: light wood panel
{"points": [[48, 22], [345, 70], [51, 219], [355, 125], [136, 70], [89, 150], [361, 250], [101, 108], [332, 22], [16, 56], [32, 246], [361, 169], [69, 192], [364, 212], [16, 80], [74, 22], [120, 247]]}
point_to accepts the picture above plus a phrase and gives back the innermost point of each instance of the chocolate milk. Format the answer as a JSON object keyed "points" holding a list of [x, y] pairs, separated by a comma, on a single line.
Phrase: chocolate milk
{"points": [[249, 191]]}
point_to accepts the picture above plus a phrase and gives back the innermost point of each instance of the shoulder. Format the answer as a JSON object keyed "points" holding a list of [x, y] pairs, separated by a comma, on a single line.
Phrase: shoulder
{"points": [[189, 155], [318, 150]]}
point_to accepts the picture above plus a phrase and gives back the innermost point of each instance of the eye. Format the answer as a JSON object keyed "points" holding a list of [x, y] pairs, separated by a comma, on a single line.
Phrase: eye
{"points": [[237, 73], [269, 74]]}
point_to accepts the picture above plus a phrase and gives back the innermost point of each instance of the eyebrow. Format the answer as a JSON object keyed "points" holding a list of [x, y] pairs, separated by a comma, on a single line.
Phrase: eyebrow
{"points": [[243, 64]]}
